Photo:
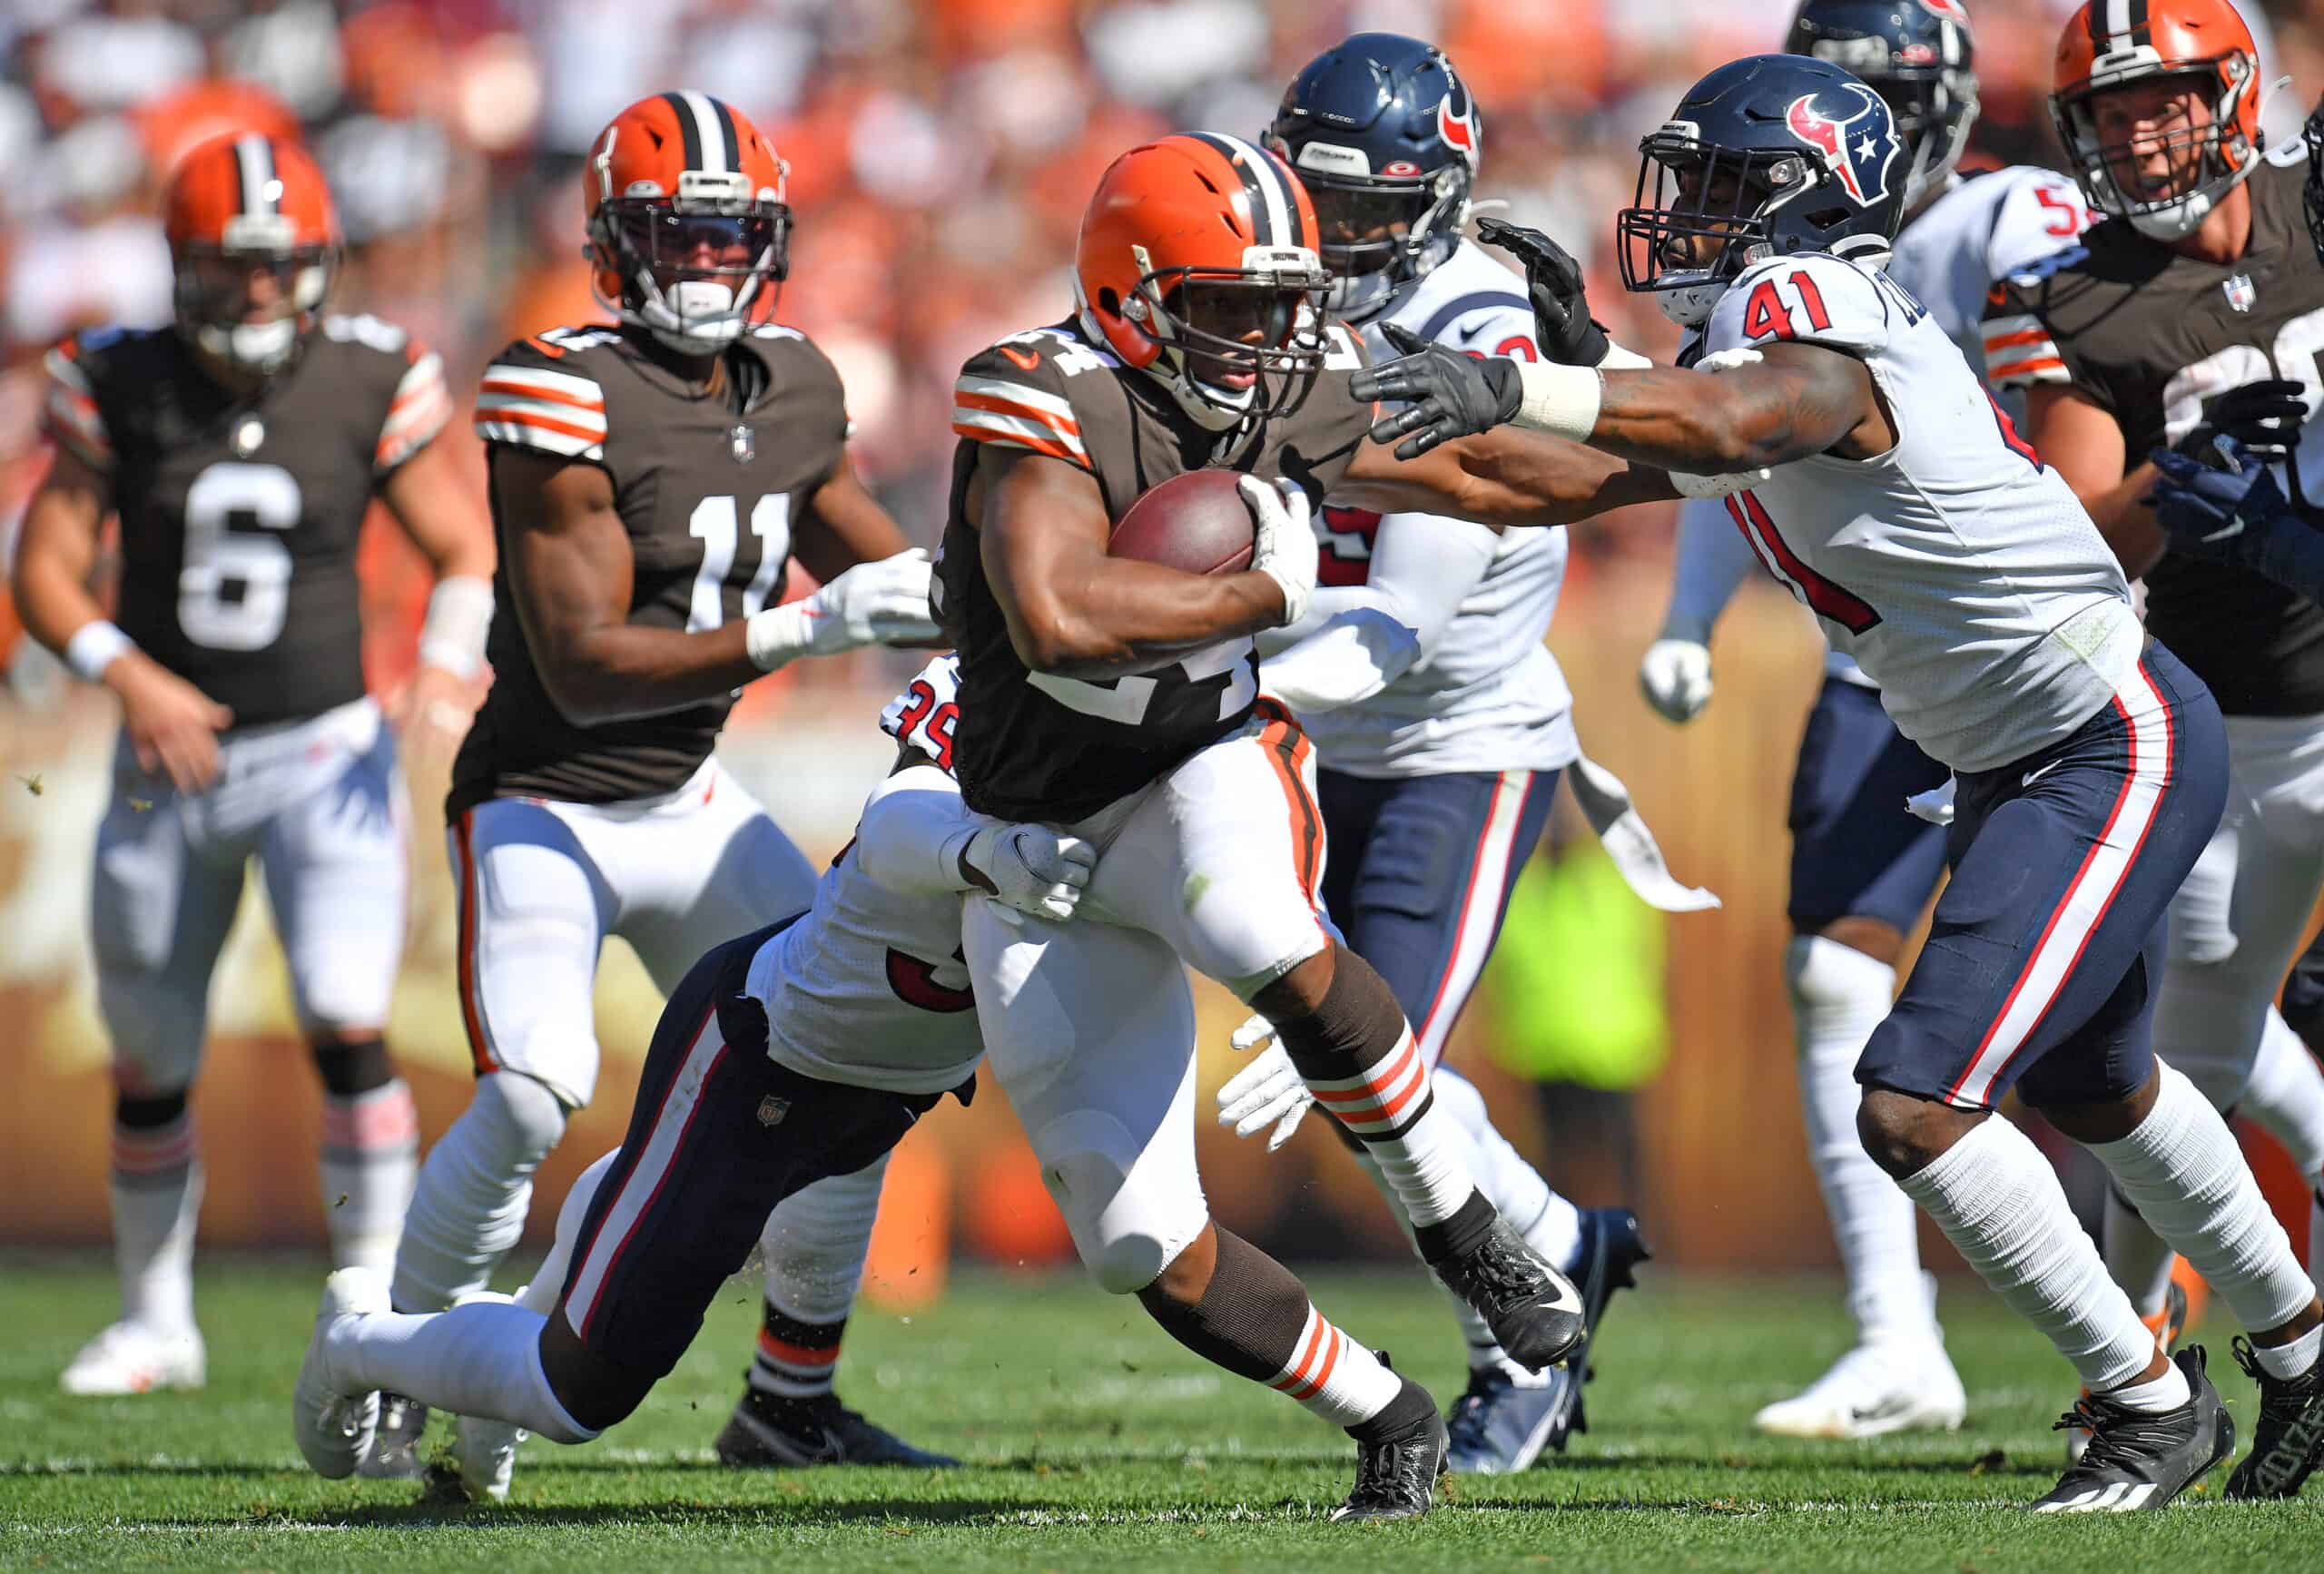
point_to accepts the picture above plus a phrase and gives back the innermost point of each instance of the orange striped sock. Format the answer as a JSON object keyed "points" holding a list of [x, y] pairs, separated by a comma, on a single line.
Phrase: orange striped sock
{"points": [[1333, 1376]]}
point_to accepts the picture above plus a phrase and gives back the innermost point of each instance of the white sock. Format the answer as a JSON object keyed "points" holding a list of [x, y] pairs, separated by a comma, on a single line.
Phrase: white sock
{"points": [[814, 1244], [2157, 1395], [1838, 995], [1389, 1104], [2182, 1170], [156, 1187], [370, 1162], [2288, 1360], [1999, 1202], [1335, 1377], [1551, 1224], [482, 1360], [2138, 1259], [474, 1190], [2285, 1094]]}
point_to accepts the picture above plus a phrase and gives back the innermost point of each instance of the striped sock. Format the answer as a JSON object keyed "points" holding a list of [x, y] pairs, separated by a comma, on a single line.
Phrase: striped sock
{"points": [[1333, 1376], [371, 1161], [796, 1358], [156, 1187]]}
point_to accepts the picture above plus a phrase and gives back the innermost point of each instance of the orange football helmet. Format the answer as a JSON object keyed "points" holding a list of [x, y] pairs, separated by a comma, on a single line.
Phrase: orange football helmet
{"points": [[689, 227], [254, 240], [2109, 44], [1197, 265]]}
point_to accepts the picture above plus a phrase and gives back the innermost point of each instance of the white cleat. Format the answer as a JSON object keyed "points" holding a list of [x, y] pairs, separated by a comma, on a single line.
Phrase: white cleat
{"points": [[130, 1358], [337, 1431], [1872, 1390], [487, 1454]]}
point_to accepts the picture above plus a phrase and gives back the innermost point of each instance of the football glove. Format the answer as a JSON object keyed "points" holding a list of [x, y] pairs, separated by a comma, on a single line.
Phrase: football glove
{"points": [[1553, 283], [1031, 868], [882, 602], [1676, 676], [1446, 394], [1284, 548], [2264, 418], [1269, 1089]]}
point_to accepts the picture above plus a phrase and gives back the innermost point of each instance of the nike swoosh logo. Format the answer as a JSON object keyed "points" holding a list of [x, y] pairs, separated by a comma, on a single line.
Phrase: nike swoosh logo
{"points": [[1024, 359], [2033, 776]]}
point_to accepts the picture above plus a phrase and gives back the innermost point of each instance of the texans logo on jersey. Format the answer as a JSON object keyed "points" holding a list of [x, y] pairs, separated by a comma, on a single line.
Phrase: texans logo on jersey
{"points": [[1858, 147], [1456, 123]]}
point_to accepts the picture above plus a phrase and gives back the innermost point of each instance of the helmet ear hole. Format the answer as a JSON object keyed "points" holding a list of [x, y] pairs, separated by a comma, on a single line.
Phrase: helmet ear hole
{"points": [[1109, 303]]}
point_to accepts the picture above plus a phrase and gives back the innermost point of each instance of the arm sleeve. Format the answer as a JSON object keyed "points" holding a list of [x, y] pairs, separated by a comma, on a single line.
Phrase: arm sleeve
{"points": [[419, 409], [910, 836], [527, 400], [69, 413], [1713, 559], [2020, 350]]}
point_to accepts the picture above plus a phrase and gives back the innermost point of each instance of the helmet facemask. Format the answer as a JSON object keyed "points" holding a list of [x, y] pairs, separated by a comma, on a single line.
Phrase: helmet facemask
{"points": [[1378, 234], [1933, 111], [1231, 341], [2203, 159], [249, 300], [1708, 218], [2312, 189], [698, 270]]}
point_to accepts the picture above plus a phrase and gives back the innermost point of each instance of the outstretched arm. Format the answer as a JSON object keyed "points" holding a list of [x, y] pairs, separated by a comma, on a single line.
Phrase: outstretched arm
{"points": [[1501, 476]]}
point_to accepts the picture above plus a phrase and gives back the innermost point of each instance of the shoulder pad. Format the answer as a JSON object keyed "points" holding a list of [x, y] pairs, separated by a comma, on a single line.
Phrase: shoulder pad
{"points": [[534, 396], [923, 715], [371, 332], [2040, 213], [1019, 393], [1811, 299]]}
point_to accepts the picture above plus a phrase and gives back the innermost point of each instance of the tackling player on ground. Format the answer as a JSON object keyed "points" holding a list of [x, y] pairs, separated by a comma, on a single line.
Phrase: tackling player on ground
{"points": [[1875, 476], [2179, 320], [240, 450], [651, 483]]}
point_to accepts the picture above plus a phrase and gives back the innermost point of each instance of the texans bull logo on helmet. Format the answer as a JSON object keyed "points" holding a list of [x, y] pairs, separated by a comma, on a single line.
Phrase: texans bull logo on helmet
{"points": [[1951, 10], [1456, 122], [1857, 147]]}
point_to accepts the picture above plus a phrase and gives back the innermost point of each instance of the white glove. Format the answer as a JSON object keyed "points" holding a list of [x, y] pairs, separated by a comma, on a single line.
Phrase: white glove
{"points": [[1676, 676], [1269, 1089], [1284, 549], [884, 601], [1032, 868]]}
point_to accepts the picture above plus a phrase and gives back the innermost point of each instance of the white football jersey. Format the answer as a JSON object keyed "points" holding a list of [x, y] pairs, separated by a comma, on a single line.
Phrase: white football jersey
{"points": [[1979, 230], [868, 987], [1486, 694], [1959, 571]]}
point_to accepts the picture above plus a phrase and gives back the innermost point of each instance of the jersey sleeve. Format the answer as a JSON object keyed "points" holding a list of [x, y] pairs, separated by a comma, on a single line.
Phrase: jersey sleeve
{"points": [[538, 395], [416, 413], [2020, 350], [1807, 299], [2040, 211], [69, 412], [922, 717], [1017, 394]]}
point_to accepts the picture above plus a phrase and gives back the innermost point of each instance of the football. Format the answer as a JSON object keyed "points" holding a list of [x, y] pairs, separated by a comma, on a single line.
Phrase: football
{"points": [[1197, 522]]}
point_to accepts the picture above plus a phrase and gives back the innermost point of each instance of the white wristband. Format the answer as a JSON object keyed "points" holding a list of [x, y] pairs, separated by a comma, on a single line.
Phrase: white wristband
{"points": [[94, 647], [1617, 358], [777, 635], [460, 617], [1562, 400]]}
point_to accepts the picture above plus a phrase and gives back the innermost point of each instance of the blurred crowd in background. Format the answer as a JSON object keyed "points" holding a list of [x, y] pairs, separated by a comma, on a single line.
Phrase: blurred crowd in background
{"points": [[940, 154]]}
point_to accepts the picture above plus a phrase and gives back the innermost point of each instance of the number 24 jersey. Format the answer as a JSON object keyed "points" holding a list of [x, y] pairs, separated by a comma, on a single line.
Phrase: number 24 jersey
{"points": [[241, 514], [1959, 571]]}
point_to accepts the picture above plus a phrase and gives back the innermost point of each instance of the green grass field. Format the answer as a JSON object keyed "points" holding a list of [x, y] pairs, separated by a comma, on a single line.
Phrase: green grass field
{"points": [[1094, 1443]]}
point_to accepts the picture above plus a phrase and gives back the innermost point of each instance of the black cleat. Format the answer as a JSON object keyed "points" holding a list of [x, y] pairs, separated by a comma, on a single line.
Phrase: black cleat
{"points": [[1396, 1475], [769, 1431], [2141, 1461], [2288, 1440], [1535, 1313]]}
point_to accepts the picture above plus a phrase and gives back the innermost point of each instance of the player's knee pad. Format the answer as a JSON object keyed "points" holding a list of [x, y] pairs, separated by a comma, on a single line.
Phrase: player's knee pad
{"points": [[147, 1111], [1825, 974], [351, 1066], [1129, 1221], [593, 1391], [1357, 1022], [156, 1028]]}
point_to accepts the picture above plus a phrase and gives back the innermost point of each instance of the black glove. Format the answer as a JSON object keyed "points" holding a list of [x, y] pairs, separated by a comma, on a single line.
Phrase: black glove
{"points": [[2263, 417], [1451, 395], [1561, 318]]}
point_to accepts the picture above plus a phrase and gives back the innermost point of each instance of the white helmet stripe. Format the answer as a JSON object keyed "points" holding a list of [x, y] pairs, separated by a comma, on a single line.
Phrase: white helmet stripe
{"points": [[1276, 209], [255, 170], [714, 136]]}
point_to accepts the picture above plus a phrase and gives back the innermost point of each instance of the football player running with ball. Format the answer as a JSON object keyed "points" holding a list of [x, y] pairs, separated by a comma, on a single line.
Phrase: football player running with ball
{"points": [[1874, 474], [240, 450], [651, 483], [1440, 721], [1863, 868]]}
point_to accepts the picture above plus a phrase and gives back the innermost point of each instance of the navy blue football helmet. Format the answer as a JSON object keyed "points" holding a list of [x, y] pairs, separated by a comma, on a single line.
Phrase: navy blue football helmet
{"points": [[1385, 137], [1916, 53], [1771, 155]]}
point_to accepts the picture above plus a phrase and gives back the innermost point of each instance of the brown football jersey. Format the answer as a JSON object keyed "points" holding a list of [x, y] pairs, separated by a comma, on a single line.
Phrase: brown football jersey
{"points": [[239, 514], [1039, 746], [2150, 335], [706, 496]]}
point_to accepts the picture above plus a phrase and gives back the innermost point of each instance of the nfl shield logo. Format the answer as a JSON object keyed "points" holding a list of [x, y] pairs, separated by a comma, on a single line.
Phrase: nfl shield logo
{"points": [[742, 445], [772, 1110], [2240, 293]]}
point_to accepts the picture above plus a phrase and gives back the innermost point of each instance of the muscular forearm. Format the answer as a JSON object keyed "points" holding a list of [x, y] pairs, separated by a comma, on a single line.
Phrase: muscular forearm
{"points": [[1504, 476], [1112, 617], [53, 598], [622, 671], [2122, 517], [1684, 420]]}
